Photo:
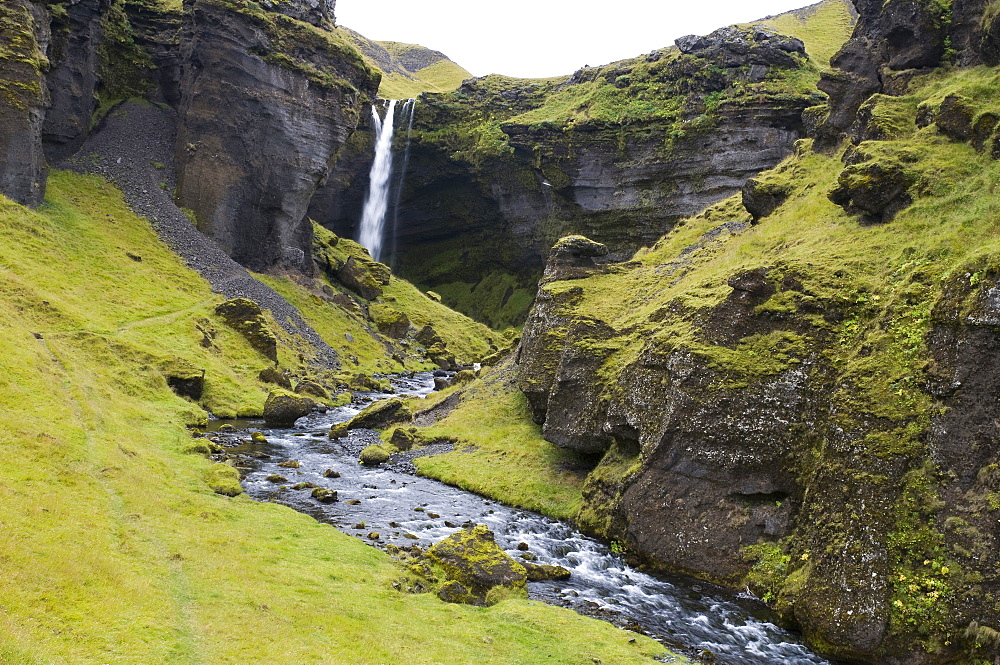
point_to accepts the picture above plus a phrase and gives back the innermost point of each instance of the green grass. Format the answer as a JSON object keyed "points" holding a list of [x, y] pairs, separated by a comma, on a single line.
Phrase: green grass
{"points": [[501, 453], [442, 76], [823, 29], [115, 548]]}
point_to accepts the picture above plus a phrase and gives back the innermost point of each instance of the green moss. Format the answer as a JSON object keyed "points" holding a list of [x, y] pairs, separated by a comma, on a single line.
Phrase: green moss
{"points": [[23, 62], [770, 569], [125, 68], [224, 479]]}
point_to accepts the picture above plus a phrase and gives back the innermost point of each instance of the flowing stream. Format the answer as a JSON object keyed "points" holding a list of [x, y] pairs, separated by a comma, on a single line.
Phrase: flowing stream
{"points": [[389, 504]]}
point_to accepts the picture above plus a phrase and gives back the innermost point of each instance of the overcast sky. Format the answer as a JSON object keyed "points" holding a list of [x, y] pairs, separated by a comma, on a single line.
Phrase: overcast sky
{"points": [[540, 38]]}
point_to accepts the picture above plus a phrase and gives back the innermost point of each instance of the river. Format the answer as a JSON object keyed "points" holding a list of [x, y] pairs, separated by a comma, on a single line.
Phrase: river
{"points": [[386, 505]]}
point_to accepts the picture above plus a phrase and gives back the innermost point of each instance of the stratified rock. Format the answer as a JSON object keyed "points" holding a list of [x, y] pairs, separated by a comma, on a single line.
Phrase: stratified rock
{"points": [[487, 217], [23, 99], [283, 408], [73, 79], [472, 558], [292, 93], [317, 12]]}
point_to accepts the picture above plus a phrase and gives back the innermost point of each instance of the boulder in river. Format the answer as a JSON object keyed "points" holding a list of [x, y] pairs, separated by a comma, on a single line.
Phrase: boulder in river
{"points": [[374, 455], [324, 495], [283, 408], [473, 559]]}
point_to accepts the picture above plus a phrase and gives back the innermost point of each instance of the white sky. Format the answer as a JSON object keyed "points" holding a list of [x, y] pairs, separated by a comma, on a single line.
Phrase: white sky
{"points": [[541, 38]]}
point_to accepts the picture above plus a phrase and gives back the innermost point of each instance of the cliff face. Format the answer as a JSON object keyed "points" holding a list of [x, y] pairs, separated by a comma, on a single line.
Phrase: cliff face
{"points": [[797, 395], [292, 96], [503, 167], [290, 86], [23, 98]]}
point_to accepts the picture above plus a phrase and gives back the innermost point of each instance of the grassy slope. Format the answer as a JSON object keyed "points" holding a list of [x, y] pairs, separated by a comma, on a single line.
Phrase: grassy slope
{"points": [[441, 76], [883, 279], [823, 27], [494, 431], [115, 549]]}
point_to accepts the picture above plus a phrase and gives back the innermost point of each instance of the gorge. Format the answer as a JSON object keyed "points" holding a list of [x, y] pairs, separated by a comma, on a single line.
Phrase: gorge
{"points": [[730, 307]]}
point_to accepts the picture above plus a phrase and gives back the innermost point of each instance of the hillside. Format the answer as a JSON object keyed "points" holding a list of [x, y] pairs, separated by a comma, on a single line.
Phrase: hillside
{"points": [[408, 69], [120, 541]]}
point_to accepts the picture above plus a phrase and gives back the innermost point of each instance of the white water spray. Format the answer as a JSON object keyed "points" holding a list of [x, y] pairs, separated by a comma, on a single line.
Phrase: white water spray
{"points": [[408, 111], [377, 202]]}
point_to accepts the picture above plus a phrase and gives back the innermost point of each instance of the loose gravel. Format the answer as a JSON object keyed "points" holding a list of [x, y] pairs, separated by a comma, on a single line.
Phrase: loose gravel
{"points": [[134, 149]]}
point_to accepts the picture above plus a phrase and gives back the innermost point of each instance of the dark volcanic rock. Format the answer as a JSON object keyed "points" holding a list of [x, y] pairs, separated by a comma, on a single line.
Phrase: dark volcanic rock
{"points": [[23, 98], [291, 99], [283, 408], [874, 190], [74, 76]]}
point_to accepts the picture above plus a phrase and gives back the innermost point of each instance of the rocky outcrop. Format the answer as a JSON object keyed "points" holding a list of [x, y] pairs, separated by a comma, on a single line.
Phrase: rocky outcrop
{"points": [[292, 96], [23, 99], [498, 171], [894, 41]]}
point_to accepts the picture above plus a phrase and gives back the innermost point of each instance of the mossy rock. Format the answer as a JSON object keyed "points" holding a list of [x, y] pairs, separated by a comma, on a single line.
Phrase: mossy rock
{"points": [[224, 479], [545, 572], [197, 447], [876, 190], [472, 558], [405, 439], [361, 382], [271, 375], [381, 414], [374, 455], [313, 389], [283, 408], [324, 495], [761, 197], [389, 321], [246, 317], [258, 437], [357, 278], [338, 431], [462, 377]]}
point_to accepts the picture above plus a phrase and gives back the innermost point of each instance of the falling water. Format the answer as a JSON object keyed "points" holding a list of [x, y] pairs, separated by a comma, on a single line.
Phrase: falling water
{"points": [[373, 218], [411, 106]]}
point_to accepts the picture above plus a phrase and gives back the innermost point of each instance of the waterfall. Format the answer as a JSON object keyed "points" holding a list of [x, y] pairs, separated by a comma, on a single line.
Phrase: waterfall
{"points": [[411, 106], [377, 202]]}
